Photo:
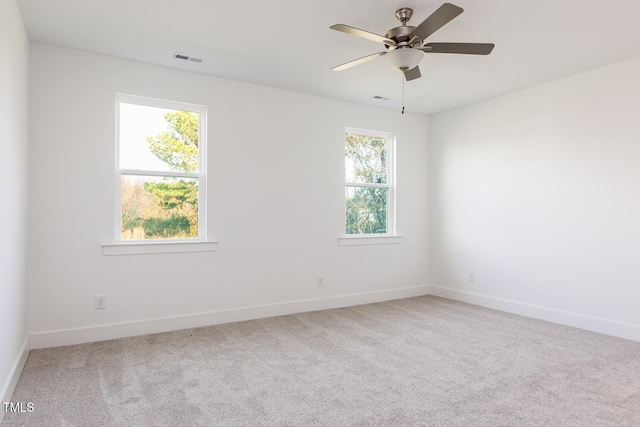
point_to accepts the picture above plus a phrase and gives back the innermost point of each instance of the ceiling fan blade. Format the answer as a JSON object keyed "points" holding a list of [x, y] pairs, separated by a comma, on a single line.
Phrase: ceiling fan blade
{"points": [[463, 48], [358, 61], [362, 33], [436, 20], [412, 74]]}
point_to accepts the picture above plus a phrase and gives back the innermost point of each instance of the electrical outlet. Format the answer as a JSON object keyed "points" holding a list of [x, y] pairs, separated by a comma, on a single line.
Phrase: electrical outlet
{"points": [[320, 281], [472, 277], [101, 302]]}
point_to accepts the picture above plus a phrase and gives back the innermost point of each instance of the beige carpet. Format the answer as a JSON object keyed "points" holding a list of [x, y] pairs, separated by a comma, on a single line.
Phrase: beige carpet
{"points": [[420, 361]]}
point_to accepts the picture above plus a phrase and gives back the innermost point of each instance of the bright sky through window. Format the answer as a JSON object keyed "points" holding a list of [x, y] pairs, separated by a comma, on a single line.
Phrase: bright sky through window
{"points": [[137, 123]]}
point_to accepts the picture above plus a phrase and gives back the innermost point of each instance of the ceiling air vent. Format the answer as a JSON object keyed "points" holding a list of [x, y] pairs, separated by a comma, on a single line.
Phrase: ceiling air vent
{"points": [[188, 58]]}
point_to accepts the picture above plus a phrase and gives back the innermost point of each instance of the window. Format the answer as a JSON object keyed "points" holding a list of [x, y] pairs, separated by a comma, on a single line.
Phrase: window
{"points": [[161, 166], [369, 186]]}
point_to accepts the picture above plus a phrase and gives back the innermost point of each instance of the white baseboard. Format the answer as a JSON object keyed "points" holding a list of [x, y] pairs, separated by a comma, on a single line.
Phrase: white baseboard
{"points": [[594, 324], [10, 383], [166, 324]]}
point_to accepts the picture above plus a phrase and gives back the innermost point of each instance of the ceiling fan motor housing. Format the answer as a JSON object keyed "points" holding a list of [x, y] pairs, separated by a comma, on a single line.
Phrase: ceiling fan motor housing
{"points": [[400, 35]]}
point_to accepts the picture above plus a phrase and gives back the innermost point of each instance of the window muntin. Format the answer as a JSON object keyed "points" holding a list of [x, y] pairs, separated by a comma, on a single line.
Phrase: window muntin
{"points": [[160, 183], [369, 191]]}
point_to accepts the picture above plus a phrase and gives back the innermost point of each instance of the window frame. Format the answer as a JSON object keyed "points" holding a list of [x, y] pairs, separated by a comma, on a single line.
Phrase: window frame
{"points": [[201, 175], [374, 238]]}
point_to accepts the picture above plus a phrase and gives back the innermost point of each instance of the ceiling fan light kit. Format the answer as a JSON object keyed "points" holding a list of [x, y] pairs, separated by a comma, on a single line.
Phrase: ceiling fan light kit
{"points": [[404, 59], [405, 44]]}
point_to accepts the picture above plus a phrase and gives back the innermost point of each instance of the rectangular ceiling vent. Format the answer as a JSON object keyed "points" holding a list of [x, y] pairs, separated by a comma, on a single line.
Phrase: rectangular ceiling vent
{"points": [[188, 58]]}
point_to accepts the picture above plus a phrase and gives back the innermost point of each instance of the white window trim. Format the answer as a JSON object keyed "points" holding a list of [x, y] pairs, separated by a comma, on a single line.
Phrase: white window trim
{"points": [[130, 247], [390, 236], [139, 247], [368, 239]]}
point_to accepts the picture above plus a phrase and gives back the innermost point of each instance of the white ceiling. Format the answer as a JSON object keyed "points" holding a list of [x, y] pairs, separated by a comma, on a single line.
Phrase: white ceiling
{"points": [[288, 44]]}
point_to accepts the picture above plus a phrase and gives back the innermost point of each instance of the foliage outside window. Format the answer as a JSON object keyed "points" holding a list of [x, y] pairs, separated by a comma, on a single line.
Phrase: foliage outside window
{"points": [[368, 182], [161, 170]]}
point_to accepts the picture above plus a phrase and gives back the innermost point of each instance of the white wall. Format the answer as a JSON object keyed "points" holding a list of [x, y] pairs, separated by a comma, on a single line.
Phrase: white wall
{"points": [[276, 204], [14, 48], [538, 193]]}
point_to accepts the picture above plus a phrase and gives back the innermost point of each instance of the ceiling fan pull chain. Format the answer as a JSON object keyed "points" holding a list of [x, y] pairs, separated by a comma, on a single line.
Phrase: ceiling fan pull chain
{"points": [[403, 94]]}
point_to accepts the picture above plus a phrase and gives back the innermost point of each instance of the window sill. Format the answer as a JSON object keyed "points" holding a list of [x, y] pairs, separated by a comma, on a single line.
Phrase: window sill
{"points": [[353, 240], [157, 248]]}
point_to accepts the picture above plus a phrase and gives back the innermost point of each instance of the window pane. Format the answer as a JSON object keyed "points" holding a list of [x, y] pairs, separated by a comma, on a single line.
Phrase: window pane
{"points": [[365, 159], [158, 139], [366, 210], [159, 207]]}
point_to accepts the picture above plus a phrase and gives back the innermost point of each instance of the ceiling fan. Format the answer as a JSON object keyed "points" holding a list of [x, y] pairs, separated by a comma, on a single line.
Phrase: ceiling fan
{"points": [[405, 44]]}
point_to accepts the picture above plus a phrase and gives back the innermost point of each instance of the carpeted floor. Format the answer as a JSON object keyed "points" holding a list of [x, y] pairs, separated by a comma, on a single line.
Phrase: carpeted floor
{"points": [[423, 361]]}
